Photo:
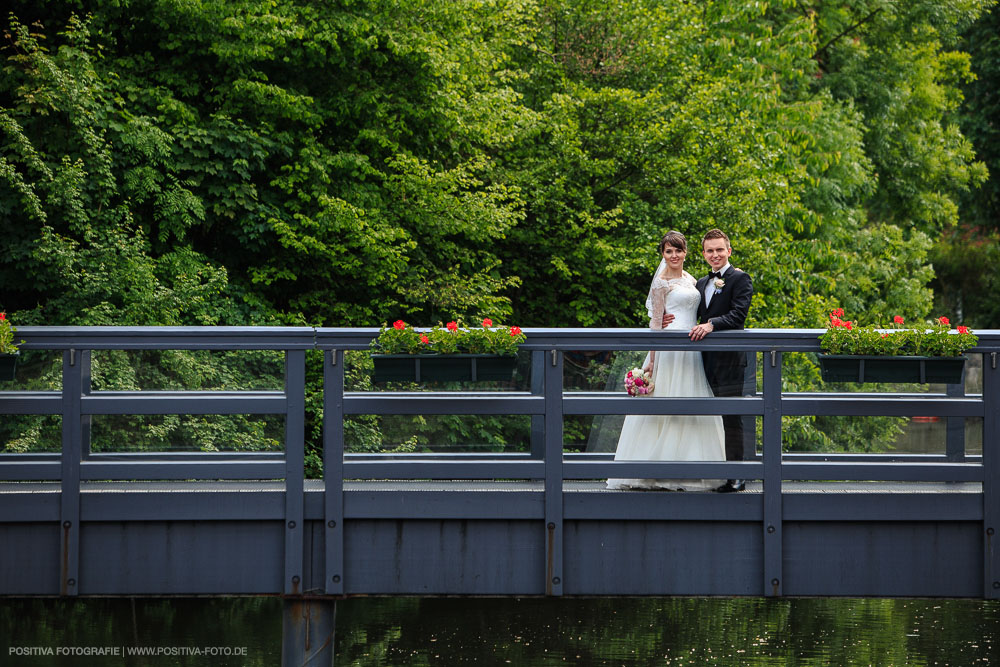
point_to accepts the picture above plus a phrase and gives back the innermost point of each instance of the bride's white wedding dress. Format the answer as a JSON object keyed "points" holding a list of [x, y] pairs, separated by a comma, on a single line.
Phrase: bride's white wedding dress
{"points": [[681, 374]]}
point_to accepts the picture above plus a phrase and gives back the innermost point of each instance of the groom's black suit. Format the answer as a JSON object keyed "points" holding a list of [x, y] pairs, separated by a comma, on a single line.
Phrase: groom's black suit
{"points": [[725, 370]]}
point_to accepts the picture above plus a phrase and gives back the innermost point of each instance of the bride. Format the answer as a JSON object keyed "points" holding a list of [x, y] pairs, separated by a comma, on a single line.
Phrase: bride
{"points": [[681, 374]]}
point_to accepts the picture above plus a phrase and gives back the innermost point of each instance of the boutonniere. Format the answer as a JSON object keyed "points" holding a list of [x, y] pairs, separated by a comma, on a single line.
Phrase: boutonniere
{"points": [[719, 284]]}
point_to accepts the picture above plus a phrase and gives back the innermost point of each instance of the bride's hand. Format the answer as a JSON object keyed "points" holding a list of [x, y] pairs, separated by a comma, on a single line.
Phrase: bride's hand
{"points": [[648, 368], [667, 319]]}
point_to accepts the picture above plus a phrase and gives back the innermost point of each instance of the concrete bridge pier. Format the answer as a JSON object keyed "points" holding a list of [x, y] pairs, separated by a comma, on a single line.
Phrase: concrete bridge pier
{"points": [[307, 632]]}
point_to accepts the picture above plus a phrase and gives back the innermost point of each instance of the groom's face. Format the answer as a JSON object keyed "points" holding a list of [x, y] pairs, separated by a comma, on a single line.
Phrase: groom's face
{"points": [[716, 253]]}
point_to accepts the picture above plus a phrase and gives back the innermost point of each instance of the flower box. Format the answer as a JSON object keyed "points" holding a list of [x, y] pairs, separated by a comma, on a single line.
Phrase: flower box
{"points": [[8, 362], [866, 368], [442, 367]]}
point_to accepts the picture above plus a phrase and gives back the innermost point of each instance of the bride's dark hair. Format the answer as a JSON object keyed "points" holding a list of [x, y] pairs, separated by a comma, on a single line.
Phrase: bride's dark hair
{"points": [[674, 239]]}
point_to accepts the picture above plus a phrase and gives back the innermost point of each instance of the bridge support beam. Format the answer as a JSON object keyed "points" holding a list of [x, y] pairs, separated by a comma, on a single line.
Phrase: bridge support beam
{"points": [[991, 479], [307, 632]]}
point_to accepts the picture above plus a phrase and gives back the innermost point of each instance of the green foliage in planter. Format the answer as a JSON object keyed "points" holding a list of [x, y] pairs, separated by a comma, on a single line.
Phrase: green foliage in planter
{"points": [[401, 338], [445, 340], [7, 331], [492, 340], [936, 340]]}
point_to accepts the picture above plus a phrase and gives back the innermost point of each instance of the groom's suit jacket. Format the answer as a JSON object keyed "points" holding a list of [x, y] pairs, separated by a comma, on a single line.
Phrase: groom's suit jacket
{"points": [[728, 310]]}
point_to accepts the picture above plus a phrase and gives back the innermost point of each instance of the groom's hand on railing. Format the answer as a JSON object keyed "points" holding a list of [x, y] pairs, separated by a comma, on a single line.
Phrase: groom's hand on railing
{"points": [[701, 330]]}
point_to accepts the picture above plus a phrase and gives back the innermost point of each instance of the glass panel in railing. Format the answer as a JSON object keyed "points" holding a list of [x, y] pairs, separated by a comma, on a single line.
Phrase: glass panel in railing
{"points": [[186, 433], [974, 436], [439, 434], [30, 434], [931, 434], [883, 436], [434, 372], [974, 373], [32, 370], [599, 370], [187, 370], [840, 434]]}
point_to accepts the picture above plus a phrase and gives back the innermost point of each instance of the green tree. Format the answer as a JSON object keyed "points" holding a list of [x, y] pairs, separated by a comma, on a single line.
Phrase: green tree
{"points": [[962, 258], [243, 162]]}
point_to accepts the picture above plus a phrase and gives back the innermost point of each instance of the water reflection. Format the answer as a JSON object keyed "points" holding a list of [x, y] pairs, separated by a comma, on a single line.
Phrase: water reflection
{"points": [[667, 631], [531, 631]]}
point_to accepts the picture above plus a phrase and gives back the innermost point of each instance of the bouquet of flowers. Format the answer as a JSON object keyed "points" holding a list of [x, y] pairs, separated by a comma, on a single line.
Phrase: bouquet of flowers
{"points": [[638, 382]]}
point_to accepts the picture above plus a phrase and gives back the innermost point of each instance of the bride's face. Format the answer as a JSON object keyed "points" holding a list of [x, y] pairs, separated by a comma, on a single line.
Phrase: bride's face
{"points": [[674, 257]]}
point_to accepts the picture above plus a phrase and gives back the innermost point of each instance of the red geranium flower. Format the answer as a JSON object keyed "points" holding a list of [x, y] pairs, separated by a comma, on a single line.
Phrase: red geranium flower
{"points": [[487, 322], [424, 339], [452, 326], [835, 321], [3, 316], [897, 319], [849, 325], [839, 312], [963, 329], [515, 331], [399, 324], [943, 320]]}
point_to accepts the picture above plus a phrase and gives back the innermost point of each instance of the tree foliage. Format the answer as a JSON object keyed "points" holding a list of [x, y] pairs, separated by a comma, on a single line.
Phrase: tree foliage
{"points": [[964, 282], [349, 163]]}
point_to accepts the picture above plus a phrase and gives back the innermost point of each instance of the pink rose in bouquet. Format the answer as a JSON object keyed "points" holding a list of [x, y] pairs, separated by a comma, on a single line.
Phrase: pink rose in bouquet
{"points": [[638, 382]]}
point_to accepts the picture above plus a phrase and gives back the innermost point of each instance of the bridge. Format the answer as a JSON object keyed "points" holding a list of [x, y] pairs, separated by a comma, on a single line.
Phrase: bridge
{"points": [[78, 522]]}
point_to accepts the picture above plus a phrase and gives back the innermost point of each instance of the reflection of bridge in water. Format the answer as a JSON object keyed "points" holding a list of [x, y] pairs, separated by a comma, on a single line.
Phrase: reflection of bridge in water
{"points": [[537, 522]]}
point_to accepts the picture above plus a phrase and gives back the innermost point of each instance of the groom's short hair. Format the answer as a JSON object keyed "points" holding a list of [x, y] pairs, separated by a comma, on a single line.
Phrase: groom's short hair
{"points": [[715, 234]]}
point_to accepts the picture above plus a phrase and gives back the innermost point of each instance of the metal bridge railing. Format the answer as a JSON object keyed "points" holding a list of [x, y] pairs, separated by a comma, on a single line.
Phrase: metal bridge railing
{"points": [[546, 403]]}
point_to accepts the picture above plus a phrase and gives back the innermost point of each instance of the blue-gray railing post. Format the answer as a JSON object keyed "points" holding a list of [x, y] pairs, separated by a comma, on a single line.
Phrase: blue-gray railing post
{"points": [[537, 442], [295, 388], [991, 476], [333, 469], [69, 496], [772, 474], [87, 387], [554, 474]]}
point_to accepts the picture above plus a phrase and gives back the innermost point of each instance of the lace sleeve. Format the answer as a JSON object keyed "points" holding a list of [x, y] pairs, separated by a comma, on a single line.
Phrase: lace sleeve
{"points": [[658, 304]]}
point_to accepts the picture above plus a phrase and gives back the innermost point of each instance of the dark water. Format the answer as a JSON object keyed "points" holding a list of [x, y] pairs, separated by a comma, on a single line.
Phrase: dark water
{"points": [[530, 631]]}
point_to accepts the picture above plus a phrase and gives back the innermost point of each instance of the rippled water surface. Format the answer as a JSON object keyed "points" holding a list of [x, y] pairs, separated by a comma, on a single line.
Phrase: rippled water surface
{"points": [[529, 631]]}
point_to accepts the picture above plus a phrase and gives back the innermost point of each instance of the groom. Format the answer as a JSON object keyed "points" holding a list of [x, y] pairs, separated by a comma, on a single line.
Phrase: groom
{"points": [[725, 300]]}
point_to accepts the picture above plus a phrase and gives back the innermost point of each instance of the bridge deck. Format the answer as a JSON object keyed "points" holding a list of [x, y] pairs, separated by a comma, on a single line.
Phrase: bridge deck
{"points": [[570, 486], [265, 501]]}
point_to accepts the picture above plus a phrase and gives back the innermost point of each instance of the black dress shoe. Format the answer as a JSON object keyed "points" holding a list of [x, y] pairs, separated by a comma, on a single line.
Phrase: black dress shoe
{"points": [[732, 486]]}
